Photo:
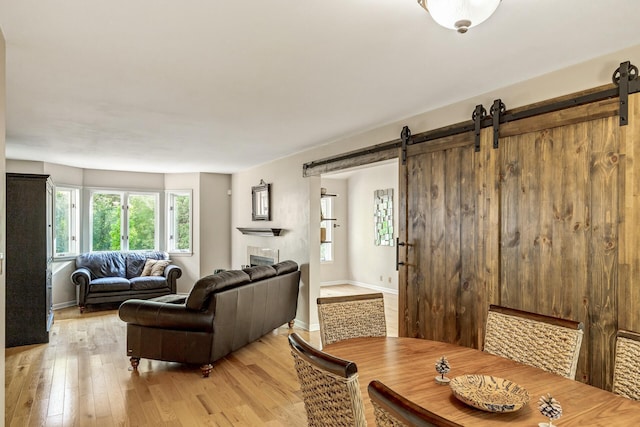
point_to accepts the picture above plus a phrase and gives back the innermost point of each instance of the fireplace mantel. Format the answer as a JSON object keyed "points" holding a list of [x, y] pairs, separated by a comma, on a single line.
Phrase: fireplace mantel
{"points": [[260, 231]]}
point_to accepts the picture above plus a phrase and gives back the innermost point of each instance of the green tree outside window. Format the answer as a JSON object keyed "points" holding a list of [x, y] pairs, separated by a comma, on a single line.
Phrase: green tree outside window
{"points": [[106, 226], [63, 228], [142, 222]]}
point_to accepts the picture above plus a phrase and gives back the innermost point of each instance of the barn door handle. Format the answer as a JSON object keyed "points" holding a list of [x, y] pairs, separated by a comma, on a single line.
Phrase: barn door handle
{"points": [[398, 244]]}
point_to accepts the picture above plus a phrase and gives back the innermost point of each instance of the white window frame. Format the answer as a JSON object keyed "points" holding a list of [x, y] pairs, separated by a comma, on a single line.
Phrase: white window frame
{"points": [[170, 196], [124, 222], [73, 220]]}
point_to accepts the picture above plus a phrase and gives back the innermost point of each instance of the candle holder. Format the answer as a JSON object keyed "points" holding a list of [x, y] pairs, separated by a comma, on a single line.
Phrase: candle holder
{"points": [[550, 408], [442, 367]]}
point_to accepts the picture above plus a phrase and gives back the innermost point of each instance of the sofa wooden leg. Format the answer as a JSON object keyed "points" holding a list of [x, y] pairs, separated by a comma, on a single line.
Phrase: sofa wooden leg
{"points": [[81, 309], [135, 361], [206, 370], [291, 323]]}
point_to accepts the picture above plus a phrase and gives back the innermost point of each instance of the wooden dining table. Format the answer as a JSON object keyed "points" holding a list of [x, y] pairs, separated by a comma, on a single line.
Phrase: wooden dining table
{"points": [[407, 365]]}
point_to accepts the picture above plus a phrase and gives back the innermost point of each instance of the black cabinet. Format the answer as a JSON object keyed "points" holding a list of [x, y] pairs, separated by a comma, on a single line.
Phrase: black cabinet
{"points": [[29, 311]]}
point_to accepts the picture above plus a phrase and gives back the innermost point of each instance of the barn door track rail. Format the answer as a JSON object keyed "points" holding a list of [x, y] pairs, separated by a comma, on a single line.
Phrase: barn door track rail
{"points": [[625, 80]]}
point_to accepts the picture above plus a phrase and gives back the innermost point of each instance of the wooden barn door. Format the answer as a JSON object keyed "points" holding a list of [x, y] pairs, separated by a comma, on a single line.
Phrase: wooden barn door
{"points": [[547, 222], [559, 198], [439, 295]]}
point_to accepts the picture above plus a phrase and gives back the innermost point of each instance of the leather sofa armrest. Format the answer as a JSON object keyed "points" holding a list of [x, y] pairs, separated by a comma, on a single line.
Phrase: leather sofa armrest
{"points": [[172, 273], [81, 276], [165, 315], [170, 299]]}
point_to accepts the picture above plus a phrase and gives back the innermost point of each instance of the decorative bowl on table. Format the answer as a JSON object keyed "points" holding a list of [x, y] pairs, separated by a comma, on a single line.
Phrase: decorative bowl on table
{"points": [[489, 393]]}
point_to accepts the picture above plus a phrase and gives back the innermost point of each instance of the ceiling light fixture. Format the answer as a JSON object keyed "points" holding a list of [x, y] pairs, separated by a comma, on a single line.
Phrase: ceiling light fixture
{"points": [[460, 15]]}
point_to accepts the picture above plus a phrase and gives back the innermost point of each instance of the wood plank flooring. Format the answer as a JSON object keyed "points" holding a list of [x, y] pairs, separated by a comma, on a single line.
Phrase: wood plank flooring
{"points": [[82, 378]]}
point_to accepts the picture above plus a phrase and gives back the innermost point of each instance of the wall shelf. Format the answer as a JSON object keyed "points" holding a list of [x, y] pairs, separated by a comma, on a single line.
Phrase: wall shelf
{"points": [[325, 238], [260, 231]]}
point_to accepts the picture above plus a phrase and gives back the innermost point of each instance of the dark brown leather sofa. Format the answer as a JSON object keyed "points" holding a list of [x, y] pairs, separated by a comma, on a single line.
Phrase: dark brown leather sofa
{"points": [[115, 276], [222, 313]]}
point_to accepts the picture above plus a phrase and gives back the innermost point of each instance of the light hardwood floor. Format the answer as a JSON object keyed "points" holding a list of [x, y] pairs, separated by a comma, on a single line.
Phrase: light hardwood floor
{"points": [[82, 378]]}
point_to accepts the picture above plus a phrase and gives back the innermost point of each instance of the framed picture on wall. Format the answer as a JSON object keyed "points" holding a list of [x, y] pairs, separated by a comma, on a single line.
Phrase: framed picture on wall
{"points": [[383, 217], [260, 202]]}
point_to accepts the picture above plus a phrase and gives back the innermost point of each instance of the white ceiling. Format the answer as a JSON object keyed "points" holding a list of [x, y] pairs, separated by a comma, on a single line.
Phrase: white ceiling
{"points": [[220, 86]]}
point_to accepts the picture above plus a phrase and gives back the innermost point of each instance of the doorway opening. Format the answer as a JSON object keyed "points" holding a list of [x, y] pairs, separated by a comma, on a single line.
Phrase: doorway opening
{"points": [[355, 259]]}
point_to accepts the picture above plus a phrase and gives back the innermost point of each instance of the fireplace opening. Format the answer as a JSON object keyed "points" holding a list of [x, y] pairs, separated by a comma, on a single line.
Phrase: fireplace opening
{"points": [[262, 256], [260, 260]]}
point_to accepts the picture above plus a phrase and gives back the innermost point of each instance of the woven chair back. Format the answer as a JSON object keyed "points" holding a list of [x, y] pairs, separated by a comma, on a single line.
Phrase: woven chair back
{"points": [[329, 385], [626, 369], [545, 342], [351, 316], [394, 410]]}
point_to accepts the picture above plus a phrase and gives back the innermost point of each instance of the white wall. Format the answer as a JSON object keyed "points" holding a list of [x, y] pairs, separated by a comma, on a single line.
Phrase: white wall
{"points": [[64, 175], [215, 222], [118, 179], [371, 265], [291, 209], [24, 166], [63, 291]]}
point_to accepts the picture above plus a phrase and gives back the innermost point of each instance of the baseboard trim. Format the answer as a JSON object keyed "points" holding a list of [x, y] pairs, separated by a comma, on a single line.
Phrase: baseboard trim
{"points": [[304, 325], [361, 284], [62, 305], [335, 283]]}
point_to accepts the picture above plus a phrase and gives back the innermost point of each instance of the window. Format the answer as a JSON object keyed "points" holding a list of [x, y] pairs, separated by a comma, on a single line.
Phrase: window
{"points": [[179, 221], [67, 223], [326, 245], [142, 221], [124, 221]]}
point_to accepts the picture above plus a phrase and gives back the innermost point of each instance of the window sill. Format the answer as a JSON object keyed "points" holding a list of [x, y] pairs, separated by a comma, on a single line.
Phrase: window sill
{"points": [[180, 254], [62, 258]]}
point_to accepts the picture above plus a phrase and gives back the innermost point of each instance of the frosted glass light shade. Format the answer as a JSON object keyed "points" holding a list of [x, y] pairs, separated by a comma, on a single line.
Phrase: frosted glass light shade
{"points": [[460, 15]]}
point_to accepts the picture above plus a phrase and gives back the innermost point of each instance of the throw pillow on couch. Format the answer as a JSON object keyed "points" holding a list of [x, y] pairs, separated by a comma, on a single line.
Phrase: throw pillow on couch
{"points": [[154, 267]]}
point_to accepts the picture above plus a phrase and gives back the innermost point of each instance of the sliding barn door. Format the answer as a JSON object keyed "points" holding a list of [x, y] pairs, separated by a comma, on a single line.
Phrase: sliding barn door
{"points": [[547, 222], [439, 294], [559, 198]]}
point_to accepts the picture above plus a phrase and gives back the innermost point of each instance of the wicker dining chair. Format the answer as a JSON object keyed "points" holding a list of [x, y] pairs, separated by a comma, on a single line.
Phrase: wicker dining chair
{"points": [[545, 342], [394, 410], [626, 368], [330, 386], [351, 316]]}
